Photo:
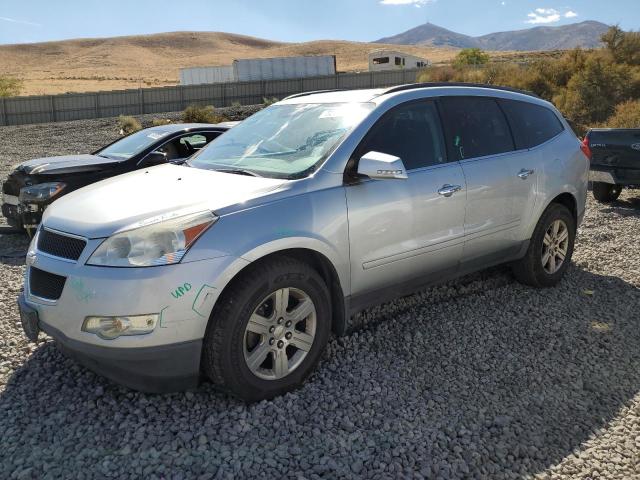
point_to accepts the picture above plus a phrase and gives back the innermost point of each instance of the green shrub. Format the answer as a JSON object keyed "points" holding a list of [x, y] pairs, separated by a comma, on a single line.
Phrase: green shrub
{"points": [[471, 56], [593, 92], [626, 115], [10, 87], [623, 46], [128, 124], [269, 101], [159, 122], [201, 114]]}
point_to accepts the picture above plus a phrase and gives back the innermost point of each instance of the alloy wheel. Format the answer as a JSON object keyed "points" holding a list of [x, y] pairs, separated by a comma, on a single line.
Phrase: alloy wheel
{"points": [[555, 246], [280, 333]]}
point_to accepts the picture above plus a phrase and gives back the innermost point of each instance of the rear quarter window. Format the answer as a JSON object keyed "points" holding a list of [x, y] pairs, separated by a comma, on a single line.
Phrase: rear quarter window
{"points": [[531, 124], [474, 127]]}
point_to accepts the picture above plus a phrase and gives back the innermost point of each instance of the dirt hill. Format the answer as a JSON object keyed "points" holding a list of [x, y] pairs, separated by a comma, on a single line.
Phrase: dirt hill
{"points": [[154, 60]]}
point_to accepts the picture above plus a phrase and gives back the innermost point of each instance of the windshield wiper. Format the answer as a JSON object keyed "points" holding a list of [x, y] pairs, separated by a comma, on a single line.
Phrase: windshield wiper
{"points": [[237, 171]]}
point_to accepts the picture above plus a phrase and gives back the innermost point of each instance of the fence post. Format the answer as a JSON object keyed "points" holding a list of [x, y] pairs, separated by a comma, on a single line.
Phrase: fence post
{"points": [[3, 112], [181, 90], [52, 107], [141, 100], [97, 104]]}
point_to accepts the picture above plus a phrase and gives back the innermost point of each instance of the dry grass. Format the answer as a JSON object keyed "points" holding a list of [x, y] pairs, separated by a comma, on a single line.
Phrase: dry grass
{"points": [[154, 60]]}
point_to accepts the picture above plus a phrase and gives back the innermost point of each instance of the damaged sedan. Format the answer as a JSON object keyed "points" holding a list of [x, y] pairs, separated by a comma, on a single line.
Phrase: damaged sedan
{"points": [[33, 185]]}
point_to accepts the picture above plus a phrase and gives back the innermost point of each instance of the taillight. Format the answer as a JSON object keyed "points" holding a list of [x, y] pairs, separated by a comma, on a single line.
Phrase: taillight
{"points": [[584, 146]]}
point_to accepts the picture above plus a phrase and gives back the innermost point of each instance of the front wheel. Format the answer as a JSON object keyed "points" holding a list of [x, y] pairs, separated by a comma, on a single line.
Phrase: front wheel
{"points": [[550, 249], [606, 192], [268, 330]]}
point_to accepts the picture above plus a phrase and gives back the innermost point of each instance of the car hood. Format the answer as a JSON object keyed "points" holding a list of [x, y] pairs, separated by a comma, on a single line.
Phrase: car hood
{"points": [[149, 195], [65, 164]]}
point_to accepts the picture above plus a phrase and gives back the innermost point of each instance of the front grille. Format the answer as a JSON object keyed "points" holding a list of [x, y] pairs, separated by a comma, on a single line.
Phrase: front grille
{"points": [[60, 245], [44, 284]]}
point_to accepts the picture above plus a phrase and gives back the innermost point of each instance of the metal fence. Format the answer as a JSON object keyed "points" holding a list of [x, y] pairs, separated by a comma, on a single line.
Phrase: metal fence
{"points": [[78, 106]]}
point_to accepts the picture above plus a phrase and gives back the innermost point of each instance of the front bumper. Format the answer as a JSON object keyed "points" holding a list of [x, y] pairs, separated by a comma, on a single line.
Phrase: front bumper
{"points": [[183, 295], [160, 369]]}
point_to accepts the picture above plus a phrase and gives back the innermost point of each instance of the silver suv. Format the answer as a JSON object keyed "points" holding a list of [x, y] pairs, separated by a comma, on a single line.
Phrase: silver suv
{"points": [[239, 264]]}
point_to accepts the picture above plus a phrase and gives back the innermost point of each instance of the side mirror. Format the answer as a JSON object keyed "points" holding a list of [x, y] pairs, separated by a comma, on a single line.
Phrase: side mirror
{"points": [[381, 166], [155, 158]]}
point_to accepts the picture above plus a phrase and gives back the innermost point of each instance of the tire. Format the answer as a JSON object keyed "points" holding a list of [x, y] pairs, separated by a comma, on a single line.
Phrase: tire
{"points": [[229, 344], [606, 192], [530, 270]]}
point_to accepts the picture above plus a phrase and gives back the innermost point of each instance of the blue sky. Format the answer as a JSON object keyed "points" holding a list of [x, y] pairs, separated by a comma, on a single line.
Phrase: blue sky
{"points": [[295, 20]]}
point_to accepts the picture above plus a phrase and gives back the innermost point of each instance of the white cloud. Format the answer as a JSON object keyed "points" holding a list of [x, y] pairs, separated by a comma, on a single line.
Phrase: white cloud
{"points": [[415, 3], [21, 22], [548, 15], [543, 15]]}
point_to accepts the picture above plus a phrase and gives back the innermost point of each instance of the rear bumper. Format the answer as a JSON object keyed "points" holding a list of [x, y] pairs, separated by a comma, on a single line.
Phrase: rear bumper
{"points": [[158, 369], [614, 176]]}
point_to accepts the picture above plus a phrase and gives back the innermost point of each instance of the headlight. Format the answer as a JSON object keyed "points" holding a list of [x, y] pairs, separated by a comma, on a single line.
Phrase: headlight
{"points": [[161, 243], [41, 192], [114, 327]]}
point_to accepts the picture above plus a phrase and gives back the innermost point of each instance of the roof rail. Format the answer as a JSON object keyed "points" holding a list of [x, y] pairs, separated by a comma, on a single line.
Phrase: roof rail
{"points": [[312, 92], [412, 86]]}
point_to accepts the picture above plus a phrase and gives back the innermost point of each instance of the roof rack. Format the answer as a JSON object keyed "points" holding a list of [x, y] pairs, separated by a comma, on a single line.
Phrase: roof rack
{"points": [[413, 86], [312, 92]]}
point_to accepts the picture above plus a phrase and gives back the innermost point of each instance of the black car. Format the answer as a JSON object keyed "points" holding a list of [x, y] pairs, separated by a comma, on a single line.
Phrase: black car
{"points": [[34, 184], [615, 161]]}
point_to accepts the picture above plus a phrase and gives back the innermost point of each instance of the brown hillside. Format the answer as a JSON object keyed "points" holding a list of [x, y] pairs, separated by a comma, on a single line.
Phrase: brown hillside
{"points": [[154, 60]]}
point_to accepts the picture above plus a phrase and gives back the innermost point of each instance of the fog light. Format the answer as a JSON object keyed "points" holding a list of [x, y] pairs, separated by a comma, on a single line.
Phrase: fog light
{"points": [[113, 327]]}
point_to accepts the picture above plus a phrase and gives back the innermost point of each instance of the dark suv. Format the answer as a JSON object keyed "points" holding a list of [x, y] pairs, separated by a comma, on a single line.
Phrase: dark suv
{"points": [[34, 184]]}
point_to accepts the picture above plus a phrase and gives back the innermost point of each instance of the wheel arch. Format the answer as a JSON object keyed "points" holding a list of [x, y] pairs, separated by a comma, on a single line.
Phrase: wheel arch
{"points": [[321, 264], [565, 198]]}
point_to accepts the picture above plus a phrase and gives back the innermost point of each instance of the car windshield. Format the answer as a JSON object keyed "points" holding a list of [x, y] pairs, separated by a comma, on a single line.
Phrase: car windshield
{"points": [[133, 144], [282, 141]]}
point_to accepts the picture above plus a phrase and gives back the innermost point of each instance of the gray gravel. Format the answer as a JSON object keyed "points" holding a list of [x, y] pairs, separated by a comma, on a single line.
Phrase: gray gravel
{"points": [[479, 378]]}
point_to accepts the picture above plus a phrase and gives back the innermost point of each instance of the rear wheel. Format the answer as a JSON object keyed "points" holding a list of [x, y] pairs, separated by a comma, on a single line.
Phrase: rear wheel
{"points": [[606, 192], [267, 333], [550, 249]]}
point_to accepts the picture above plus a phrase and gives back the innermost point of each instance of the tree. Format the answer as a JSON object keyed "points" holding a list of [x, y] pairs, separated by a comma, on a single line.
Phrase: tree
{"points": [[471, 56], [623, 46], [10, 87]]}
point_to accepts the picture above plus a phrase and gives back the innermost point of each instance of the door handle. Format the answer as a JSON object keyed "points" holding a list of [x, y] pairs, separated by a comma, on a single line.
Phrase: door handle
{"points": [[524, 173], [448, 190]]}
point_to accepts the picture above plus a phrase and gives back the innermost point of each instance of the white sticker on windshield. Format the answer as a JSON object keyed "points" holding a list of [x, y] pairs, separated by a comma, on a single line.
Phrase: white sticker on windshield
{"points": [[157, 135]]}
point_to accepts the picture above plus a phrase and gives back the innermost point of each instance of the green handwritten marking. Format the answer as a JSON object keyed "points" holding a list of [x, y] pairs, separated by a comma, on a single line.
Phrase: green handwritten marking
{"points": [[82, 293], [181, 290], [284, 232], [162, 316], [193, 305]]}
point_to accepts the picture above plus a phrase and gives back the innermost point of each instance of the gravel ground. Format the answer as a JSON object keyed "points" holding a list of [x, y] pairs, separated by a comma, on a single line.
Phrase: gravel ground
{"points": [[479, 378]]}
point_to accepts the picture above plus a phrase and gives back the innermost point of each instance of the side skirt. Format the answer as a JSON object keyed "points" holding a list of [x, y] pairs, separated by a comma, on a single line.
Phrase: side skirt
{"points": [[357, 303]]}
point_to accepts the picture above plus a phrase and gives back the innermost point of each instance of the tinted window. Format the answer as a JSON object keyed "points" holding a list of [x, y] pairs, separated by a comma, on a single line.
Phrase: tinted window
{"points": [[475, 127], [531, 124], [411, 132]]}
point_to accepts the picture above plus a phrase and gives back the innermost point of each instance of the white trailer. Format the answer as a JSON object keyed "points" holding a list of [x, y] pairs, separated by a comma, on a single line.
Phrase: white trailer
{"points": [[279, 68], [199, 75], [251, 69], [380, 60]]}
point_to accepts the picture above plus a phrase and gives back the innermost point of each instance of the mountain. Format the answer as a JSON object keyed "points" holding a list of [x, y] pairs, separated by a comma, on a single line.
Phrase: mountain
{"points": [[83, 65], [585, 34], [430, 34]]}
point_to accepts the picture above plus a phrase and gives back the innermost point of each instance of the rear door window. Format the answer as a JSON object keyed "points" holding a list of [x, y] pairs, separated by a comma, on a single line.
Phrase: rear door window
{"points": [[474, 127], [531, 124], [410, 131]]}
